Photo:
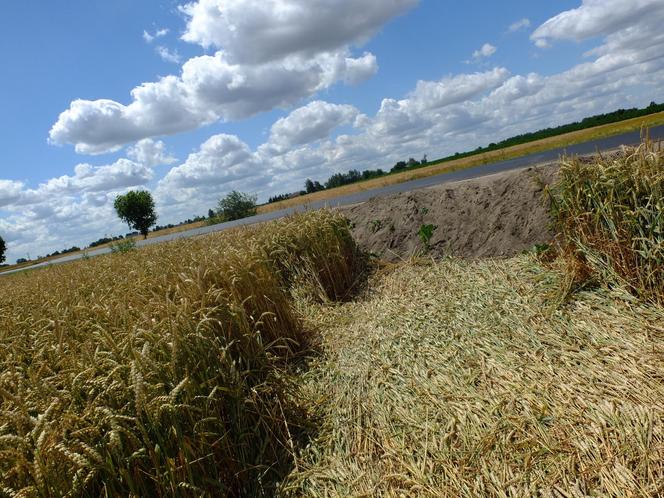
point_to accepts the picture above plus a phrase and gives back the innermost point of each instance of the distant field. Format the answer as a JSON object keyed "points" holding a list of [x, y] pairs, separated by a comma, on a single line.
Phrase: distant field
{"points": [[472, 161], [151, 235]]}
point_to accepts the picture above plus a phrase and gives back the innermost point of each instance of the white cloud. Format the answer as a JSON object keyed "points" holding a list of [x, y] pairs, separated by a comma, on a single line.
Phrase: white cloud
{"points": [[487, 50], [260, 31], [67, 210], [149, 38], [150, 153], [309, 124], [220, 159], [222, 163], [168, 55], [209, 89], [455, 113], [271, 54], [10, 191], [455, 89], [519, 25], [121, 174], [599, 18]]}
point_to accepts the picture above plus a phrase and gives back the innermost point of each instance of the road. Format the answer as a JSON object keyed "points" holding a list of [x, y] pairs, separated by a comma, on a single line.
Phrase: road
{"points": [[603, 144]]}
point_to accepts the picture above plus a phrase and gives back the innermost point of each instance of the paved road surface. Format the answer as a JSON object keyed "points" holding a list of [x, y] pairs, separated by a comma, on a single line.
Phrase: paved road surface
{"points": [[478, 171]]}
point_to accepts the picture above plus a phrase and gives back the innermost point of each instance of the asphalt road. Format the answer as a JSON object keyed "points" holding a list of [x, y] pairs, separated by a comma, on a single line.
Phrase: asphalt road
{"points": [[344, 200]]}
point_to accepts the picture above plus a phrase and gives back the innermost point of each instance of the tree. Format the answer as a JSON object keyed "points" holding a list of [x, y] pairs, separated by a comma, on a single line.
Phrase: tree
{"points": [[211, 213], [136, 208], [312, 186], [237, 205], [3, 249], [400, 166]]}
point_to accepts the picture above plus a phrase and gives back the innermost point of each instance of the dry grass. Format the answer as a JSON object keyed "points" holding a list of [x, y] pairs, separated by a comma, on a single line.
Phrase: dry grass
{"points": [[472, 161], [459, 379], [163, 371], [610, 211]]}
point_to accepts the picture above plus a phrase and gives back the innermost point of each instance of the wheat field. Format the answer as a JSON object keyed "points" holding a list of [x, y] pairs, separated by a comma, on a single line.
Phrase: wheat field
{"points": [[165, 371], [466, 379]]}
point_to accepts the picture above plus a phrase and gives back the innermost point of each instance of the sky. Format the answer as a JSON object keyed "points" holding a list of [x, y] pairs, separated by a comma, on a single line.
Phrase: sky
{"points": [[191, 100]]}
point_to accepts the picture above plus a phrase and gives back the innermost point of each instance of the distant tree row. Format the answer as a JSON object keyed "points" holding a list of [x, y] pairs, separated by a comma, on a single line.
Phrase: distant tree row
{"points": [[340, 179], [64, 251]]}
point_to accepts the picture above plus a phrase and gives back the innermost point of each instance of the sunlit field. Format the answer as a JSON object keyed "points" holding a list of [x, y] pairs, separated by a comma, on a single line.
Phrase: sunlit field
{"points": [[164, 371], [279, 360]]}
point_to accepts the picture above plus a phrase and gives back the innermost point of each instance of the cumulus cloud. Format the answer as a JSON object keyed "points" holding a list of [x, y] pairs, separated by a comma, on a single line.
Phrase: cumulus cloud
{"points": [[452, 114], [600, 18], [309, 124], [67, 210], [270, 54], [10, 191], [150, 153], [220, 159], [260, 31], [487, 50], [209, 89], [121, 174], [519, 25], [222, 163]]}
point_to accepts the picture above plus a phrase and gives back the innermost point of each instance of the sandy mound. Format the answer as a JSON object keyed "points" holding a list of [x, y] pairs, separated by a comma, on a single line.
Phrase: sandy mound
{"points": [[497, 215]]}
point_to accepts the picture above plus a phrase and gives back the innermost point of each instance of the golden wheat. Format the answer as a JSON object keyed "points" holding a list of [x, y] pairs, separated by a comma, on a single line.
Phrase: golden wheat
{"points": [[162, 371]]}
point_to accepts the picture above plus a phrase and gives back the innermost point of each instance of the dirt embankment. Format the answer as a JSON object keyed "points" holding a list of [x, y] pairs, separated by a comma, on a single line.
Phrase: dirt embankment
{"points": [[494, 216]]}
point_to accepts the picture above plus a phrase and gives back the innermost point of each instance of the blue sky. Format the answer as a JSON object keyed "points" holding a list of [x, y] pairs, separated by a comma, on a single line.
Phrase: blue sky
{"points": [[192, 100]]}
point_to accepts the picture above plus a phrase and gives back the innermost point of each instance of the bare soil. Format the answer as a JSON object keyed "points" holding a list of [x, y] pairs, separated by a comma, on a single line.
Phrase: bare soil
{"points": [[494, 216]]}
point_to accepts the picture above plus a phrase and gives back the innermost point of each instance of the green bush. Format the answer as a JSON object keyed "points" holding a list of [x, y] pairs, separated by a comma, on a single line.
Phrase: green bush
{"points": [[123, 246], [235, 206]]}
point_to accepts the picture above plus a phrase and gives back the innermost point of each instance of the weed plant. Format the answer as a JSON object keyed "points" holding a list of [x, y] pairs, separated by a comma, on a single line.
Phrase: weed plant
{"points": [[425, 233]]}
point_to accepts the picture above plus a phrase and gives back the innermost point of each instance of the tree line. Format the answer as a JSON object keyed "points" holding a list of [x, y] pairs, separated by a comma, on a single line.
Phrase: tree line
{"points": [[353, 176]]}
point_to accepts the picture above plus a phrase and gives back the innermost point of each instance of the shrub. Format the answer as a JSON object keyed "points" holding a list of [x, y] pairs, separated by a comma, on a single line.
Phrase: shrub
{"points": [[236, 205], [610, 212], [123, 246]]}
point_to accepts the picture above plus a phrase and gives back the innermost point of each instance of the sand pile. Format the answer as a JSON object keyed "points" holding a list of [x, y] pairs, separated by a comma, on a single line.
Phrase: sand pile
{"points": [[493, 216]]}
